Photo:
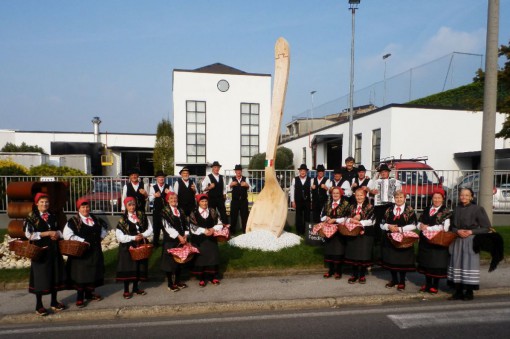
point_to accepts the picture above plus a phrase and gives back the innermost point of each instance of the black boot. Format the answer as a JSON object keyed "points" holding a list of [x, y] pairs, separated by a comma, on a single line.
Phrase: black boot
{"points": [[458, 295]]}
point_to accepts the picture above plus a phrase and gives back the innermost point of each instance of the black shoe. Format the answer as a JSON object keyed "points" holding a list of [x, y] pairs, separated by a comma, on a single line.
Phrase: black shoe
{"points": [[457, 296], [468, 296]]}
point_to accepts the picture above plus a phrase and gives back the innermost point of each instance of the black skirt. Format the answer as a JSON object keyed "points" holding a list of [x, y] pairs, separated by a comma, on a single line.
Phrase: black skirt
{"points": [[87, 269], [432, 259], [209, 251], [334, 248], [358, 250], [399, 259], [168, 263], [47, 274], [128, 269]]}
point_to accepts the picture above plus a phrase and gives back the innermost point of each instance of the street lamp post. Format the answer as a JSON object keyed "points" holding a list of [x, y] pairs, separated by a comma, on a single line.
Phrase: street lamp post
{"points": [[311, 109], [353, 6], [385, 56]]}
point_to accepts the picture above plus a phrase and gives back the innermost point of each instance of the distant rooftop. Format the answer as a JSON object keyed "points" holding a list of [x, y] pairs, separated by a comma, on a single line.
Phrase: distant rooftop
{"points": [[219, 68]]}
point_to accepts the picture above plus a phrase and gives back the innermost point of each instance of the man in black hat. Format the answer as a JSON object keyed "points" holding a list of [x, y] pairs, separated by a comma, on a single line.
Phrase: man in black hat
{"points": [[349, 172], [360, 182], [300, 198], [214, 185], [185, 189], [157, 195], [320, 187], [239, 186], [339, 181], [134, 188], [383, 189]]}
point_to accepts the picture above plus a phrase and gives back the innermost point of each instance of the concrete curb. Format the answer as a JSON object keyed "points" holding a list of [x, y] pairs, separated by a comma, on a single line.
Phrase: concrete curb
{"points": [[233, 306]]}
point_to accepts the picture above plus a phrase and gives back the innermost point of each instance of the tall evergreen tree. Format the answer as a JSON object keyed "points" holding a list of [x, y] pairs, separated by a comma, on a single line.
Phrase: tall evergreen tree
{"points": [[164, 148]]}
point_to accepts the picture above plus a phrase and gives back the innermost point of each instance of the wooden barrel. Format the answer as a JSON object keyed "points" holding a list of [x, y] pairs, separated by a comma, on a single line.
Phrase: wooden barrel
{"points": [[15, 229], [19, 210], [20, 190], [26, 191]]}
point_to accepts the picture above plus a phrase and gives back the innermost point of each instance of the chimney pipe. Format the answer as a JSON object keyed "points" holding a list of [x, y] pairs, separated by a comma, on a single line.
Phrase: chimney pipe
{"points": [[96, 121]]}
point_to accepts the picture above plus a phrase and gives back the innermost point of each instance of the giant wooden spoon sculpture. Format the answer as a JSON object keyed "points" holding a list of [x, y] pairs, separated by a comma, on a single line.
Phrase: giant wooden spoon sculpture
{"points": [[269, 212]]}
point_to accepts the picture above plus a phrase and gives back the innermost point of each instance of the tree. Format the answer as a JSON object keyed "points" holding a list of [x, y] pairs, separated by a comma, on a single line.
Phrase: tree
{"points": [[284, 159], [164, 148], [9, 167], [24, 148]]}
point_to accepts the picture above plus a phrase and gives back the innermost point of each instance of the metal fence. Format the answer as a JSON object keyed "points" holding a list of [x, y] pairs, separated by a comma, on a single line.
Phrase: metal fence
{"points": [[105, 193]]}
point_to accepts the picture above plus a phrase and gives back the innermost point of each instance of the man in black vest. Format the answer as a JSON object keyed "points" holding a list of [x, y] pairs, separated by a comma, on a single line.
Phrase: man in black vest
{"points": [[185, 189], [134, 188], [349, 172], [157, 195], [214, 185], [320, 187], [360, 182], [239, 186], [300, 198], [339, 181]]}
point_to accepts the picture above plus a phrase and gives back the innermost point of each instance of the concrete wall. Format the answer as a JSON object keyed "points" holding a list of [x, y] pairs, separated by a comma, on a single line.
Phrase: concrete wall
{"points": [[26, 159]]}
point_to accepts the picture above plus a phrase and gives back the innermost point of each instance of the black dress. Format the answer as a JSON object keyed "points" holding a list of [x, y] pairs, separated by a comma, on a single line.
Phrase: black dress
{"points": [[178, 223], [47, 274], [334, 247], [433, 259], [209, 257], [128, 269], [358, 250], [392, 258], [89, 268]]}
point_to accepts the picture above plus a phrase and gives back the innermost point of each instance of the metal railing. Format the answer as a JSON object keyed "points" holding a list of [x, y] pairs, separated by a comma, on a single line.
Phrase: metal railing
{"points": [[105, 193]]}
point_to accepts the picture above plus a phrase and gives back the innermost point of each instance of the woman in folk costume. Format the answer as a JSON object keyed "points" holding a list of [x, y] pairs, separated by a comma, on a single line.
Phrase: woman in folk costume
{"points": [[86, 272], [175, 227], [47, 275], [132, 228], [334, 247], [433, 259], [464, 267], [358, 250], [399, 217], [202, 220]]}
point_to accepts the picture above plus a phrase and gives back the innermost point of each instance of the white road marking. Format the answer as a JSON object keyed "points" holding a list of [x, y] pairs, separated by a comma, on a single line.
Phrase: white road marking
{"points": [[490, 308], [405, 321]]}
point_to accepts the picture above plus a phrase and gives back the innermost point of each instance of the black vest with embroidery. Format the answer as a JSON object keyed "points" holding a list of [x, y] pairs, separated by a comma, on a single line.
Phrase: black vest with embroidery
{"points": [[239, 192]]}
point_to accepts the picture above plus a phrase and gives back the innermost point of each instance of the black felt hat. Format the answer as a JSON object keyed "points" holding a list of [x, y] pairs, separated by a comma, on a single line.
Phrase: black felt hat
{"points": [[238, 167], [215, 163], [320, 168], [303, 167], [361, 168], [160, 174], [383, 167]]}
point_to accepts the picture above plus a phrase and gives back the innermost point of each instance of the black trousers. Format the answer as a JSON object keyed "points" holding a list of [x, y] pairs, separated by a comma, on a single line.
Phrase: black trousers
{"points": [[238, 207], [379, 217], [302, 216], [219, 204], [157, 224], [316, 211]]}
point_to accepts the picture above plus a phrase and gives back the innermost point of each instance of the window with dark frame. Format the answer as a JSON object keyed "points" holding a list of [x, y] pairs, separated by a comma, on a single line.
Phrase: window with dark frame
{"points": [[357, 149], [250, 120], [195, 132], [376, 147], [303, 156]]}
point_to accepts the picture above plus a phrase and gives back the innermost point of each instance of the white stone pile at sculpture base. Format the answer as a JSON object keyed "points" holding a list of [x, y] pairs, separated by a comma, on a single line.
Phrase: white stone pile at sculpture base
{"points": [[265, 241]]}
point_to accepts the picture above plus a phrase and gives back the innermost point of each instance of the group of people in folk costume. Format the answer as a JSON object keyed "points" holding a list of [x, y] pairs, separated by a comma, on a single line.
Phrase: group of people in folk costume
{"points": [[345, 200], [184, 216]]}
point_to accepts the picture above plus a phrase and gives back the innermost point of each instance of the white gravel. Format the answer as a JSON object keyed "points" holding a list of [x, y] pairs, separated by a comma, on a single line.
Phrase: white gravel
{"points": [[265, 241]]}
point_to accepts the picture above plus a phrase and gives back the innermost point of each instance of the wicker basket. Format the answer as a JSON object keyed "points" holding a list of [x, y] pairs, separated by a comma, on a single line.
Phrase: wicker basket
{"points": [[25, 248], [141, 252], [443, 238], [72, 247], [182, 261], [405, 243], [345, 231]]}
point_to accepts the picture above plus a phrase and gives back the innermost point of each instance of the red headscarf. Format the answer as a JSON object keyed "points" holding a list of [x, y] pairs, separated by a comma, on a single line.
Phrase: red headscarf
{"points": [[82, 201], [440, 191], [168, 195], [202, 196], [128, 199], [40, 195]]}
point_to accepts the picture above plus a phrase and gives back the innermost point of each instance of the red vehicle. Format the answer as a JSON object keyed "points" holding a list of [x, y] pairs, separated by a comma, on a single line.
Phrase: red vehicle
{"points": [[417, 178], [106, 195]]}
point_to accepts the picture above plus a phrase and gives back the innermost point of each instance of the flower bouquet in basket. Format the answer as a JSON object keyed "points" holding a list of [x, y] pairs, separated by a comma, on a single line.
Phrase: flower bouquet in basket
{"points": [[440, 238], [183, 253], [221, 233], [403, 239], [325, 229]]}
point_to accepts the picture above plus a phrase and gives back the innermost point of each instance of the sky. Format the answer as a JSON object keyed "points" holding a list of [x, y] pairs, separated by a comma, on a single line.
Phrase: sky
{"points": [[64, 62]]}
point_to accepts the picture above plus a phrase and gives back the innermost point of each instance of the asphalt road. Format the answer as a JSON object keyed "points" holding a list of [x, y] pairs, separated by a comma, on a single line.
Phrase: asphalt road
{"points": [[488, 317]]}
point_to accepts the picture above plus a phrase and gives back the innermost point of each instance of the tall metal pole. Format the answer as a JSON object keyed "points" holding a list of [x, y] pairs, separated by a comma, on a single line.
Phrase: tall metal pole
{"points": [[353, 6], [489, 108], [311, 109], [386, 56]]}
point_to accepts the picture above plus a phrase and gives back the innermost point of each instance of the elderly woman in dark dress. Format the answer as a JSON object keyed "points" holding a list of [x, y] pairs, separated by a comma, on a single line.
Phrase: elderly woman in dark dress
{"points": [[358, 251], [334, 248], [399, 217], [132, 228], [175, 227], [86, 272], [47, 275], [464, 268], [433, 259], [202, 220]]}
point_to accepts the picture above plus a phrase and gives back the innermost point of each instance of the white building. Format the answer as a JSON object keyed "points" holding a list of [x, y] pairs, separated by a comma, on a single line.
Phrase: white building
{"points": [[451, 139], [125, 150], [220, 114]]}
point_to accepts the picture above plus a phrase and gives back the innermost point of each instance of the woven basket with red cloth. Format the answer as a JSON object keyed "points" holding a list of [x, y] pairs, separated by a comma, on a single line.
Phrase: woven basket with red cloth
{"points": [[325, 229], [183, 253], [221, 234], [24, 248], [403, 239], [350, 229], [440, 238]]}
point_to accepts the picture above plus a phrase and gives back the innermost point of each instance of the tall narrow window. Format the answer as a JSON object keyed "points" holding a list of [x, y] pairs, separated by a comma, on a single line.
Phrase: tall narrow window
{"points": [[376, 147], [249, 132], [303, 157], [195, 131], [357, 149]]}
